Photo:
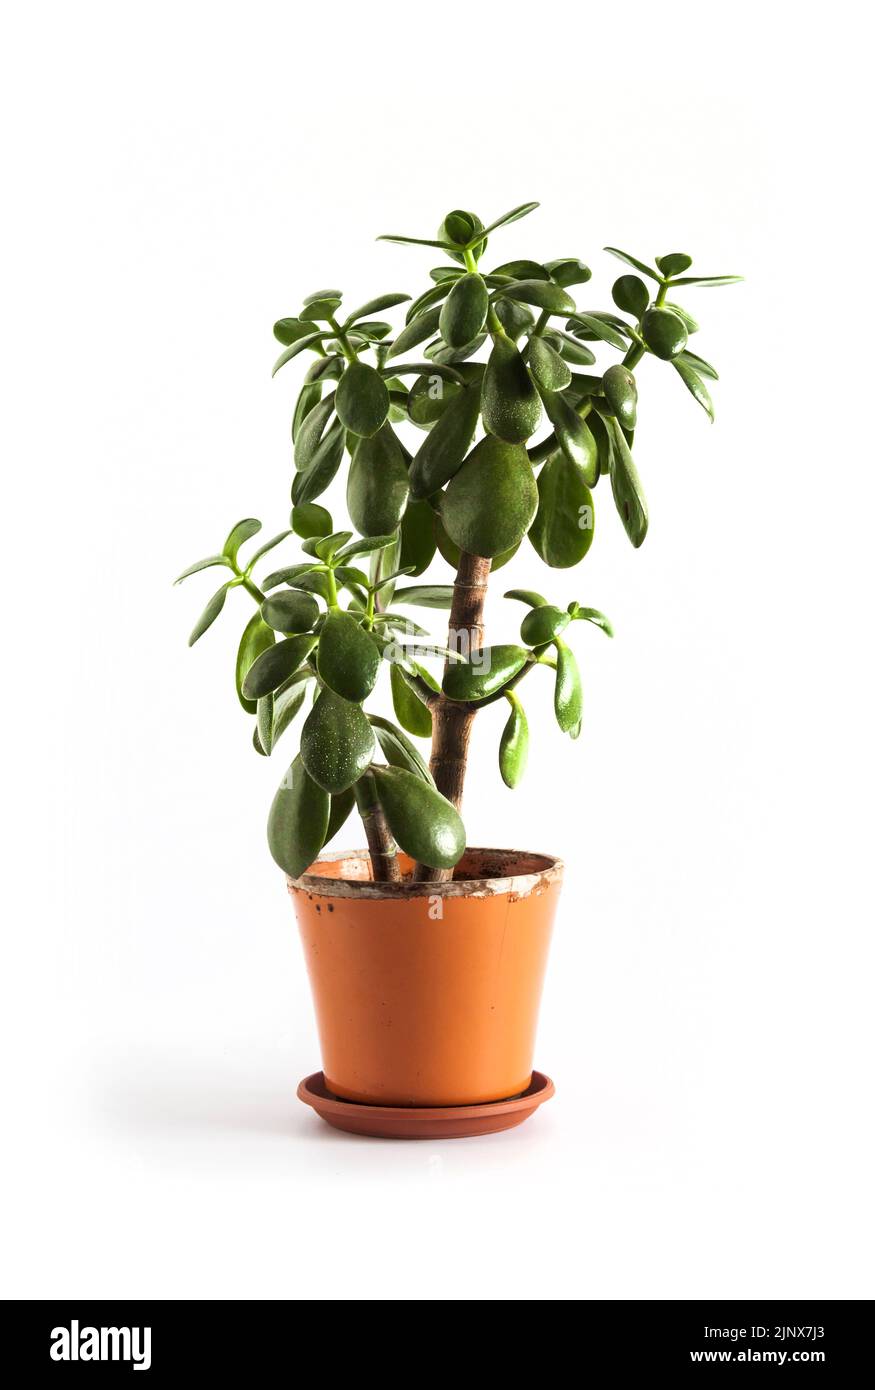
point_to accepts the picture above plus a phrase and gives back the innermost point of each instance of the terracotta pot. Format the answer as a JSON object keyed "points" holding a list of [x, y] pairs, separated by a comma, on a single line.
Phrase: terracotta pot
{"points": [[428, 993]]}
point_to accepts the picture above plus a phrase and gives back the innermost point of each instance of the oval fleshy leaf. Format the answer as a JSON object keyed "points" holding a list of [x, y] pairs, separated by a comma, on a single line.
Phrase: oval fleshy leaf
{"points": [[210, 613], [425, 825], [362, 399], [337, 742], [298, 821], [257, 637], [275, 665]]}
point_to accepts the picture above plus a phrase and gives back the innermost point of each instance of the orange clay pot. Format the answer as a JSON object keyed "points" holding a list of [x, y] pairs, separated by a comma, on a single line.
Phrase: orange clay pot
{"points": [[427, 994]]}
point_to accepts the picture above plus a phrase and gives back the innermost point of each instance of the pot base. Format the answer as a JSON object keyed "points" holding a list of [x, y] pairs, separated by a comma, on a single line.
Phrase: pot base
{"points": [[421, 1122]]}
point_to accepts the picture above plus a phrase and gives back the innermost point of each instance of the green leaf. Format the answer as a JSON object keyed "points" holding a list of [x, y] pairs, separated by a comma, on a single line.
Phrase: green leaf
{"points": [[568, 272], [563, 529], [686, 318], [311, 432], [544, 294], [698, 364], [410, 711], [487, 672], [626, 486], [362, 399], [490, 503], [600, 434], [275, 665], [329, 368], [366, 546], [578, 354], [385, 561], [513, 216], [318, 295], [337, 743], [429, 298], [543, 625], [695, 385], [264, 723], [321, 309], [287, 575], [439, 369], [708, 280], [591, 615], [425, 325], [568, 692], [206, 564], [290, 611], [349, 660], [238, 535], [210, 613], [349, 577], [417, 241], [442, 452], [328, 547], [426, 595], [417, 537], [265, 548], [442, 356], [529, 596], [674, 264], [257, 637], [464, 311], [309, 520], [297, 347], [600, 328], [630, 294], [516, 319], [452, 553], [399, 624], [397, 748], [521, 270], [324, 464], [286, 703], [341, 806], [290, 330], [298, 821], [376, 306], [510, 404], [551, 373], [372, 330], [621, 394], [664, 333], [314, 582], [309, 397], [425, 825], [573, 435], [630, 260], [377, 487], [513, 750]]}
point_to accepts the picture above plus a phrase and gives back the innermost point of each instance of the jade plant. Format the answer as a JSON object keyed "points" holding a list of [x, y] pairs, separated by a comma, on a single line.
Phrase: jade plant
{"points": [[436, 421]]}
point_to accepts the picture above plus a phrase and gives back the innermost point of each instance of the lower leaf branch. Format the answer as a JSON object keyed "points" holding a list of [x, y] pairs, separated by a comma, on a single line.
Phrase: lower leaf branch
{"points": [[381, 847], [452, 722]]}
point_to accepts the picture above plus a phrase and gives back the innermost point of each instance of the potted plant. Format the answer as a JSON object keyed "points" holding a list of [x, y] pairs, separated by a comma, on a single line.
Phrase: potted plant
{"points": [[481, 423]]}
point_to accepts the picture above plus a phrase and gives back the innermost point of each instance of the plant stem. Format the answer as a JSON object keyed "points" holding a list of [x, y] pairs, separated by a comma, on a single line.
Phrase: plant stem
{"points": [[451, 722], [381, 846]]}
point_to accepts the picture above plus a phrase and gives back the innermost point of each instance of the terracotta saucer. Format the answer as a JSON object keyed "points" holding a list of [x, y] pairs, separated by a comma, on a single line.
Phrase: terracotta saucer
{"points": [[419, 1122]]}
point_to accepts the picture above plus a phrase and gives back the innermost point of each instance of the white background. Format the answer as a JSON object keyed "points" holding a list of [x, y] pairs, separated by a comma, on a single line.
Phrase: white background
{"points": [[176, 177]]}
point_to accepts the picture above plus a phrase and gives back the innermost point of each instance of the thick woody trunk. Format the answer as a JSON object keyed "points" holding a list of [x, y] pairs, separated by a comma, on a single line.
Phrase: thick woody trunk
{"points": [[452, 723], [381, 846]]}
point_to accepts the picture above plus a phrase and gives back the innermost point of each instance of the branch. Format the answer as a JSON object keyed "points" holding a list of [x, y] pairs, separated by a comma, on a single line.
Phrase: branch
{"points": [[381, 846]]}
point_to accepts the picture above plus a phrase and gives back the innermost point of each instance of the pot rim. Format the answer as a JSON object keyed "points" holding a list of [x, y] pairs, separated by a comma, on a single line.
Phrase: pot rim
{"points": [[521, 885]]}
